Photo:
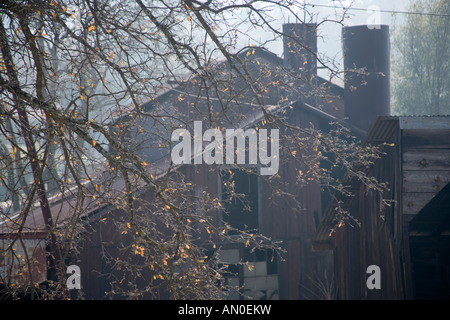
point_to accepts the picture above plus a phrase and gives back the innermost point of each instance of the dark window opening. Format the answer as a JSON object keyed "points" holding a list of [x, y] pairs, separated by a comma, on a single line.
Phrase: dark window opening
{"points": [[240, 199]]}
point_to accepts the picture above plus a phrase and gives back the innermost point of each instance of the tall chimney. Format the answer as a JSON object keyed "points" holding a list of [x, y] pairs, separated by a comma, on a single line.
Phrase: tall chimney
{"points": [[300, 48], [367, 73]]}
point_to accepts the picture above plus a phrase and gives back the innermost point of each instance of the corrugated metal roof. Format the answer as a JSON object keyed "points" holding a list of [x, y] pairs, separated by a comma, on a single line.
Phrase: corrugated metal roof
{"points": [[382, 129]]}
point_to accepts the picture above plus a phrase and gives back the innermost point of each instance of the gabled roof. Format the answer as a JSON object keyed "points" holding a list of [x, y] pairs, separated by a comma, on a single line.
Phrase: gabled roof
{"points": [[182, 84], [63, 205]]}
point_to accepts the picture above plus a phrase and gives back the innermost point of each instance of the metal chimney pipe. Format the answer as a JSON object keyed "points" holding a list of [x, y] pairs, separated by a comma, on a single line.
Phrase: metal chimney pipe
{"points": [[367, 73]]}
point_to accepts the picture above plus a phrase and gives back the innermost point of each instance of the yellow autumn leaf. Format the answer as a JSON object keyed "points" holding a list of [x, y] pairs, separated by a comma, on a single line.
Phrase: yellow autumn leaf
{"points": [[91, 28]]}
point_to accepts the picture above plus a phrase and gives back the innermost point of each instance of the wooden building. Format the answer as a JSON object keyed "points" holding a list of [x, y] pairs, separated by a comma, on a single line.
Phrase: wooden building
{"points": [[408, 239], [313, 102], [303, 267]]}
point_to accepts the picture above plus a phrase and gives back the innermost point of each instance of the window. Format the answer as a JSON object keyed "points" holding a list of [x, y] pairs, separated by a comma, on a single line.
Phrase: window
{"points": [[240, 199], [252, 273]]}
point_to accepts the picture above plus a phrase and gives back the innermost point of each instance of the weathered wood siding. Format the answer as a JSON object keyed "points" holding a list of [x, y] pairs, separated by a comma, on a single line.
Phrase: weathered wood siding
{"points": [[416, 168], [304, 269], [377, 240], [426, 167], [426, 171]]}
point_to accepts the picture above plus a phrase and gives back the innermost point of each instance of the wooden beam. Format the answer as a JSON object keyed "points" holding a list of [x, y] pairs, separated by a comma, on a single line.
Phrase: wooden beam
{"points": [[425, 181], [426, 159]]}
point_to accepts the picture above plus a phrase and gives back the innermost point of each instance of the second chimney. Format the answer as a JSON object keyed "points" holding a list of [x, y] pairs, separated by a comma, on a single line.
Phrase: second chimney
{"points": [[367, 73]]}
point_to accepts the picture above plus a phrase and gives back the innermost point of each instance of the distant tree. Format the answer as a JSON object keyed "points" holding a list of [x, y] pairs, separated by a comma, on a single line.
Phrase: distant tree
{"points": [[421, 63]]}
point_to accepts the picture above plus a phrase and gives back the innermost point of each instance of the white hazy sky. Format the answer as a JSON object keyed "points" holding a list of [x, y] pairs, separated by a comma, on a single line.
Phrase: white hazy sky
{"points": [[360, 14], [329, 33], [329, 42]]}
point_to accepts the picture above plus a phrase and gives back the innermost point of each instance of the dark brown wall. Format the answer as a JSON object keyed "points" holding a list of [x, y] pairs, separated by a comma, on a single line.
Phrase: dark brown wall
{"points": [[378, 240]]}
